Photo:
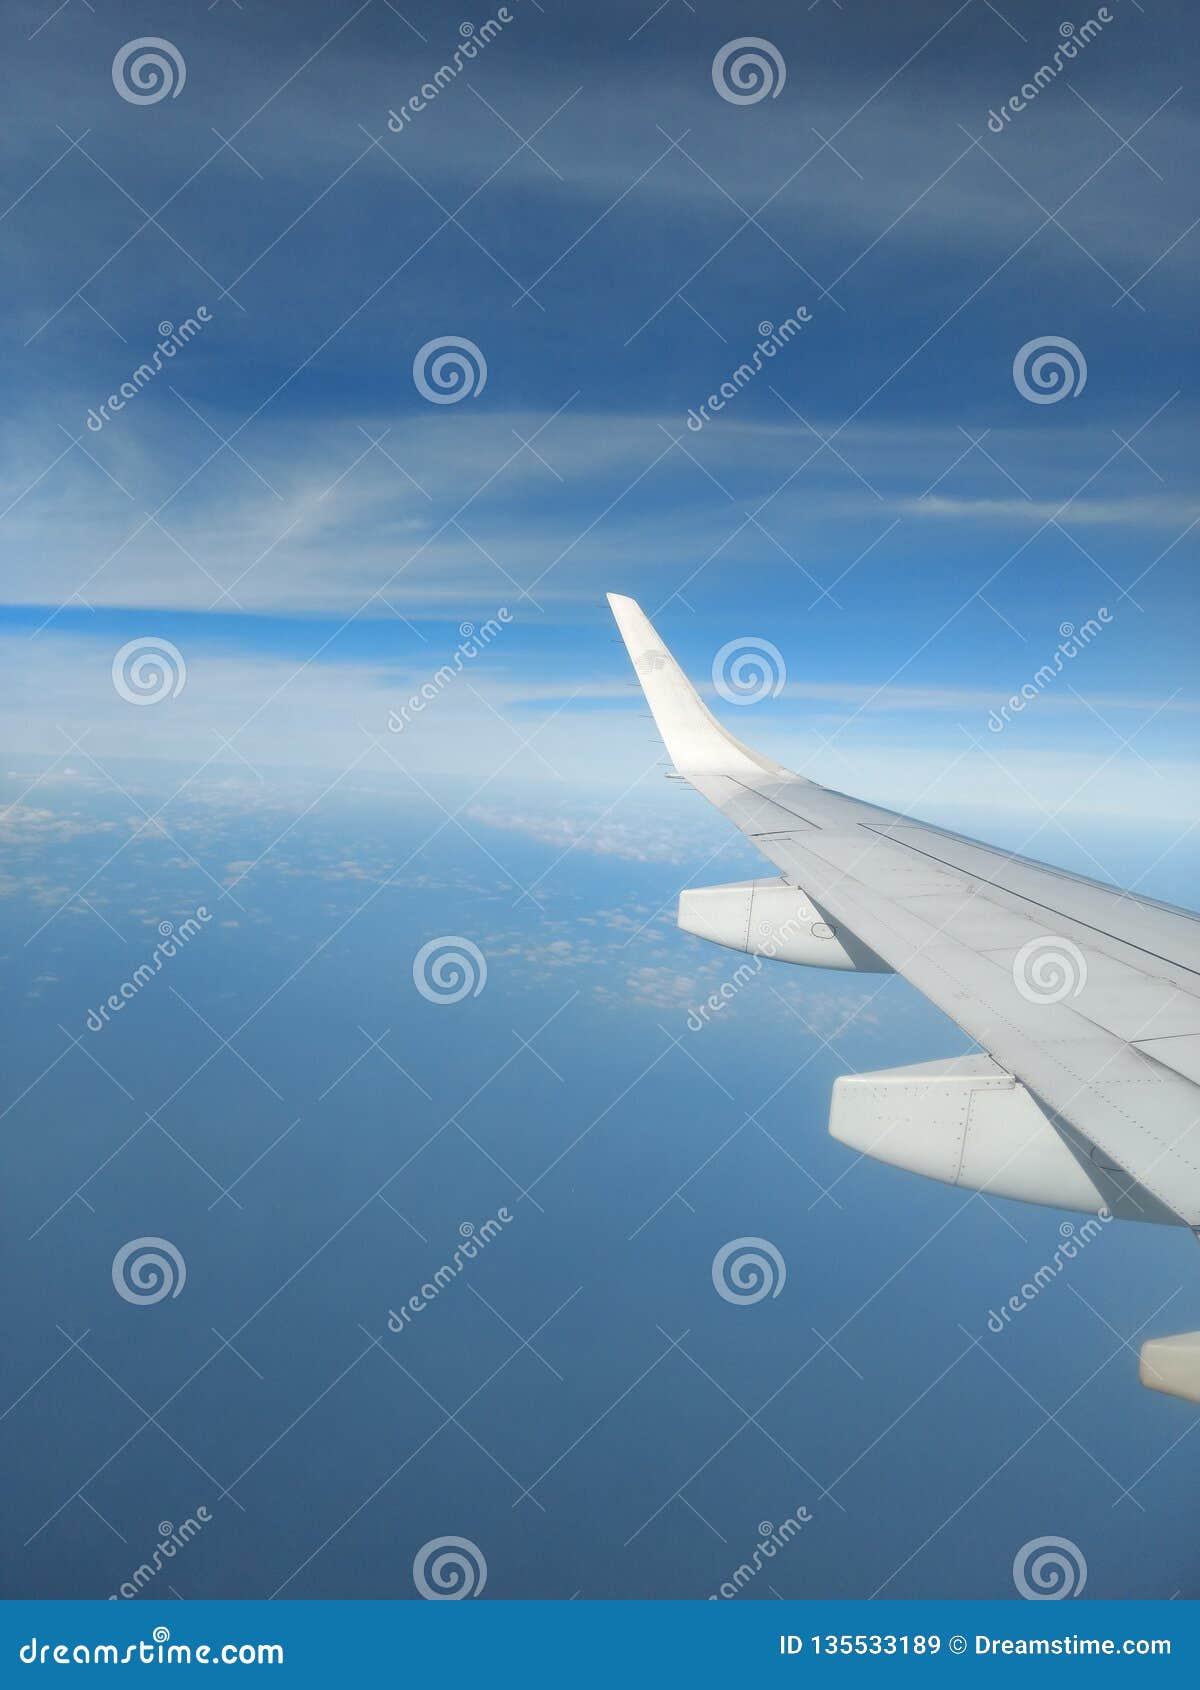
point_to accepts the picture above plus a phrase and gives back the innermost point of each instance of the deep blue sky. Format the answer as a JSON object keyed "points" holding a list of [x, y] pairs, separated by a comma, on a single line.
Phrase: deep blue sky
{"points": [[927, 231], [610, 234]]}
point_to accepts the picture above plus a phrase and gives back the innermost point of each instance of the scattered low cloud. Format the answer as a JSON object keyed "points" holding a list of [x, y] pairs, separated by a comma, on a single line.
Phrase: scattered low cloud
{"points": [[26, 824], [647, 841], [664, 987]]}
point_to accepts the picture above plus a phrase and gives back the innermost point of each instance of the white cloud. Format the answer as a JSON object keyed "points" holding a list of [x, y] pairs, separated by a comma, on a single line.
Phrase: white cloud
{"points": [[644, 841], [329, 719], [341, 530], [1164, 511], [27, 824], [664, 988]]}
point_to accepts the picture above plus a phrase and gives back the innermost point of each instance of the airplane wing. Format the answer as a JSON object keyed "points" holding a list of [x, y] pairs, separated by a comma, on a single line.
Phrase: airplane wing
{"points": [[1084, 999]]}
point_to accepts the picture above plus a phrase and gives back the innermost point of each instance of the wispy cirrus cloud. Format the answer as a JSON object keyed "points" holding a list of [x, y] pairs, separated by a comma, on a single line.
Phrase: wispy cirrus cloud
{"points": [[1154, 511]]}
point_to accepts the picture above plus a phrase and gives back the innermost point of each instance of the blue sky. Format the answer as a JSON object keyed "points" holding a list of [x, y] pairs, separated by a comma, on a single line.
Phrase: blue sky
{"points": [[899, 556], [315, 539]]}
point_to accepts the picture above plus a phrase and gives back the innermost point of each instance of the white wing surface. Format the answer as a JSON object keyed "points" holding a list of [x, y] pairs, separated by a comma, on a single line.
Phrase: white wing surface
{"points": [[1085, 998]]}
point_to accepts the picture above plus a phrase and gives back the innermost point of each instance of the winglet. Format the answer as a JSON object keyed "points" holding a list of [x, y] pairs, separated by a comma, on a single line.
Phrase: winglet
{"points": [[695, 740]]}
